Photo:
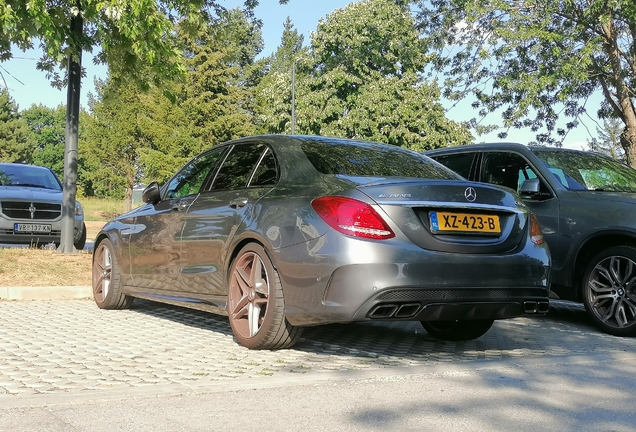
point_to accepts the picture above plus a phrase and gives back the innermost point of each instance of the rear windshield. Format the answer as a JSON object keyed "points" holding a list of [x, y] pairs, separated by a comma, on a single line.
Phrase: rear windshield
{"points": [[354, 158]]}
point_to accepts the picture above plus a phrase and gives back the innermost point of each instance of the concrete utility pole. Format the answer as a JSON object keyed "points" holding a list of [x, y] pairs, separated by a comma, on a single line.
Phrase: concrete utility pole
{"points": [[72, 135], [293, 113]]}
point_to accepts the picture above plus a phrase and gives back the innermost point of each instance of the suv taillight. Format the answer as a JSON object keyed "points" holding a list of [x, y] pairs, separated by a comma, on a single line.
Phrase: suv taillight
{"points": [[352, 217], [535, 230]]}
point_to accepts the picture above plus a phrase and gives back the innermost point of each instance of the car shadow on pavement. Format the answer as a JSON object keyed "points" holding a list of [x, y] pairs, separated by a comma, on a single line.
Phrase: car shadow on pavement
{"points": [[405, 343]]}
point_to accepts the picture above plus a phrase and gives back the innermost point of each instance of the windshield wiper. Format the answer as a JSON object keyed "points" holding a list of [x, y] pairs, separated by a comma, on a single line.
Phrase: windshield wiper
{"points": [[28, 185]]}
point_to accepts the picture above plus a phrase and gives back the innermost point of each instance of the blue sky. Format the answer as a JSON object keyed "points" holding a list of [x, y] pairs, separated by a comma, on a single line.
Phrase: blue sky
{"points": [[29, 86]]}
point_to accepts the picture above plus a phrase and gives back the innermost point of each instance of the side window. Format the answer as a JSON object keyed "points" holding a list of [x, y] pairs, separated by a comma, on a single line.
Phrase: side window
{"points": [[189, 180], [265, 173], [505, 169], [461, 163], [238, 166]]}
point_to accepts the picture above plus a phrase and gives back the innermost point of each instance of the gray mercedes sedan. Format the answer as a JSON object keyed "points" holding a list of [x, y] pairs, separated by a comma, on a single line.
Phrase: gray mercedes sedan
{"points": [[282, 232]]}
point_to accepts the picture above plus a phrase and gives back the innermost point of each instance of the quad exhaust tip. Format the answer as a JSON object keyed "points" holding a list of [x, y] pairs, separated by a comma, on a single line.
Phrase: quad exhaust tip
{"points": [[534, 307], [406, 310]]}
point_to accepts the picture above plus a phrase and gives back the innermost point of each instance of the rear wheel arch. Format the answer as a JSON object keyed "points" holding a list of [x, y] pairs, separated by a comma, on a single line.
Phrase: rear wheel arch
{"points": [[591, 247], [240, 244]]}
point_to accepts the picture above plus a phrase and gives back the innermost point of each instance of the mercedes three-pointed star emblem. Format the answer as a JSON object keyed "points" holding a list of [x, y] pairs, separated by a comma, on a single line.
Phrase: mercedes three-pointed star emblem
{"points": [[470, 194]]}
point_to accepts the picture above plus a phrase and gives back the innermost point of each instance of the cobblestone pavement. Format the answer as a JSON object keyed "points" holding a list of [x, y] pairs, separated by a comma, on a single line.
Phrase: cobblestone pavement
{"points": [[62, 346]]}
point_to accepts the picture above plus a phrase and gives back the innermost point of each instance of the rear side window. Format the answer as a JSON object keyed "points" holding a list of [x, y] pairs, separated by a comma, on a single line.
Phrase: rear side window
{"points": [[238, 166], [265, 173], [461, 163], [371, 160]]}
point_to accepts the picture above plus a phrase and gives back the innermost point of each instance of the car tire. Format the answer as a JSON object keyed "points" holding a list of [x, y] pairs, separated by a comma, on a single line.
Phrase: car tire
{"points": [[457, 330], [107, 287], [82, 240], [609, 290], [255, 304]]}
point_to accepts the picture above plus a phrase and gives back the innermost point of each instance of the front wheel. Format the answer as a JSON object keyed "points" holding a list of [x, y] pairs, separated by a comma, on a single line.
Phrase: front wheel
{"points": [[255, 302], [457, 330], [81, 242], [609, 290]]}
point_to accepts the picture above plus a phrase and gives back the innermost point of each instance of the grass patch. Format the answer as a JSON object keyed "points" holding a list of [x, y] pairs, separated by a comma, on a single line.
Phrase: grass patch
{"points": [[101, 209], [42, 267]]}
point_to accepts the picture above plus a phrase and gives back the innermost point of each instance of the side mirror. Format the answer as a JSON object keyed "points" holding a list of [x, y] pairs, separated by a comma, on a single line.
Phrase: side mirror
{"points": [[530, 187], [151, 194]]}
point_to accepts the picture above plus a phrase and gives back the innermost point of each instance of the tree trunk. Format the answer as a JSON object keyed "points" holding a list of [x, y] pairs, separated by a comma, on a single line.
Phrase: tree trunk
{"points": [[628, 142], [129, 193], [72, 134]]}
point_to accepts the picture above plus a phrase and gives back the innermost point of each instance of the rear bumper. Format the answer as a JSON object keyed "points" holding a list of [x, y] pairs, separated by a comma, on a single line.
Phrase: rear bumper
{"points": [[399, 281]]}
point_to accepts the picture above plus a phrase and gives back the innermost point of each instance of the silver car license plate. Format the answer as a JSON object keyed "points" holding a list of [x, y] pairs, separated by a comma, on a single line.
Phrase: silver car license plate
{"points": [[31, 228]]}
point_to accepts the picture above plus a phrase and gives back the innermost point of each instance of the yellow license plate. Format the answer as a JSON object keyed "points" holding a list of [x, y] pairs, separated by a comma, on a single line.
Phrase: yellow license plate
{"points": [[464, 222]]}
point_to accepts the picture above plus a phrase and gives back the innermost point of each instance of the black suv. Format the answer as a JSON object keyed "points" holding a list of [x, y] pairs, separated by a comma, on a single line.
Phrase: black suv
{"points": [[586, 206]]}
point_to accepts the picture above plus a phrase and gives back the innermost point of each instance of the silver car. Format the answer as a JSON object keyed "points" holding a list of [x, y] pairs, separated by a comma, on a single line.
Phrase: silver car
{"points": [[282, 232], [31, 207]]}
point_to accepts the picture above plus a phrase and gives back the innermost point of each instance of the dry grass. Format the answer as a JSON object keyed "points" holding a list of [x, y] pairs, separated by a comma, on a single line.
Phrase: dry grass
{"points": [[101, 209], [44, 267], [92, 228]]}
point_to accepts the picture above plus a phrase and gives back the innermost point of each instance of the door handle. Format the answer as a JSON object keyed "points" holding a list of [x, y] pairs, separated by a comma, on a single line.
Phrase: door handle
{"points": [[180, 206], [238, 203]]}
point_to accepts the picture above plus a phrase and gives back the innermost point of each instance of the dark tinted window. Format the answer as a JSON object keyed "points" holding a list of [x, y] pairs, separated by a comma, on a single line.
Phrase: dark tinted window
{"points": [[238, 166], [25, 175], [265, 173], [505, 169], [368, 159], [190, 179], [461, 163]]}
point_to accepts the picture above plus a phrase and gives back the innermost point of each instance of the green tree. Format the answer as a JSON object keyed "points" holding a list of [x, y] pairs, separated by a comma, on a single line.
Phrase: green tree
{"points": [[538, 62], [112, 139], [217, 93], [149, 134], [14, 132], [609, 139], [367, 80], [46, 136], [273, 93]]}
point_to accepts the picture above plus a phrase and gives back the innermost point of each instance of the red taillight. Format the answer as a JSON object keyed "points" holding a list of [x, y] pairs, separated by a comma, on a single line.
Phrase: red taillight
{"points": [[535, 230], [352, 217]]}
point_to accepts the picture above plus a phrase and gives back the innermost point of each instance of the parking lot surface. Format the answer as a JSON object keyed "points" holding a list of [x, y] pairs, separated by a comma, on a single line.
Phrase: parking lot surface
{"points": [[67, 346]]}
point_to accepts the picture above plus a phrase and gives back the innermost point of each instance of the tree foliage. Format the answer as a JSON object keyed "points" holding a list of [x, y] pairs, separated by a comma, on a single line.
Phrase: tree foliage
{"points": [[274, 91], [46, 136], [134, 136], [13, 131], [538, 62], [220, 60], [367, 82], [609, 139]]}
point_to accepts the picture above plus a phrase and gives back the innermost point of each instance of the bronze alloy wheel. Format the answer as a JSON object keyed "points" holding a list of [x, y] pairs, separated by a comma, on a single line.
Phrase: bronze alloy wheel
{"points": [[255, 302], [249, 294], [610, 290], [106, 281]]}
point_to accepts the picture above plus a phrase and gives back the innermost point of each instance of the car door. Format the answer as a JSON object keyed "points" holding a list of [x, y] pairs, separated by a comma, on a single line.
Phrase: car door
{"points": [[511, 169], [155, 247], [214, 218]]}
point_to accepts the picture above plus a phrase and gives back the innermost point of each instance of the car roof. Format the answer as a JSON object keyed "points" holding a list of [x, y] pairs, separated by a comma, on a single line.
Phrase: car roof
{"points": [[521, 148]]}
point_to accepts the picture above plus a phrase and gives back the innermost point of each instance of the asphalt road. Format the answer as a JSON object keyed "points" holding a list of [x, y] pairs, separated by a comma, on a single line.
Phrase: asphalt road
{"points": [[69, 366]]}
